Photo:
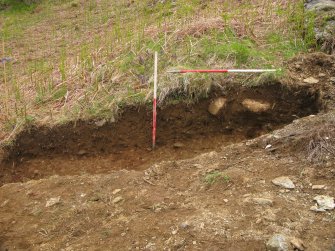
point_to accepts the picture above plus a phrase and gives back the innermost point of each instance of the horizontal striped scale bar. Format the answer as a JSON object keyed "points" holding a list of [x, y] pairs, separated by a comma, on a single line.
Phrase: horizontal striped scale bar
{"points": [[224, 71]]}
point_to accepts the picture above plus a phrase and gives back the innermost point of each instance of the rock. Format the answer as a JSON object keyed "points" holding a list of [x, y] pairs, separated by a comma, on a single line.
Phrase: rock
{"points": [[297, 244], [324, 23], [321, 5], [112, 120], [256, 106], [284, 182], [116, 191], [178, 145], [269, 215], [324, 203], [277, 242], [150, 246], [101, 123], [262, 201], [311, 80], [217, 105], [117, 200], [82, 152], [184, 225], [321, 75], [94, 198], [318, 187], [53, 201], [332, 79]]}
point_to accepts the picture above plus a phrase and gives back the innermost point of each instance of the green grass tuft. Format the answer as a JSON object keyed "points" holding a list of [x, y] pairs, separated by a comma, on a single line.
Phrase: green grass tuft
{"points": [[215, 176]]}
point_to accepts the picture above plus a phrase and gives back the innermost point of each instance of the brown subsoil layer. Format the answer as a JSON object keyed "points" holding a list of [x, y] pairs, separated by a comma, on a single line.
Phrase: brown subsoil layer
{"points": [[184, 131]]}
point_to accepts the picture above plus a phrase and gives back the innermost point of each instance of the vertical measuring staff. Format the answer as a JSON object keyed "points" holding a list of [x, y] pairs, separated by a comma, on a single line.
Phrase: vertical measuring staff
{"points": [[154, 111]]}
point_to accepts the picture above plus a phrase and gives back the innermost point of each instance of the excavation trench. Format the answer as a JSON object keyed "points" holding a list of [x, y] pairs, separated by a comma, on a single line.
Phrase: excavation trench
{"points": [[183, 131]]}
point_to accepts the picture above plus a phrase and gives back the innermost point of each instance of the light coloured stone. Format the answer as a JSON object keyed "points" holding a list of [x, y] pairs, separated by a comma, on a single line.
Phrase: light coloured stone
{"points": [[262, 201], [116, 191], [284, 182], [82, 152], [217, 105], [324, 203], [269, 215], [321, 5], [311, 80], [184, 225], [256, 106], [178, 145], [318, 187], [53, 201], [101, 123], [117, 200], [297, 244], [277, 242]]}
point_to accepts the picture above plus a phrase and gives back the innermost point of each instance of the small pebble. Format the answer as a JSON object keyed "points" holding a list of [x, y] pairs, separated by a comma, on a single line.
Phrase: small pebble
{"points": [[311, 80], [53, 201], [318, 187], [185, 224], [117, 200], [116, 191], [178, 145]]}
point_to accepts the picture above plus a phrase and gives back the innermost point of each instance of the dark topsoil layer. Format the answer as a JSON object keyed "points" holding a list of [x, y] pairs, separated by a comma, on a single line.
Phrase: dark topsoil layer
{"points": [[175, 123], [184, 131]]}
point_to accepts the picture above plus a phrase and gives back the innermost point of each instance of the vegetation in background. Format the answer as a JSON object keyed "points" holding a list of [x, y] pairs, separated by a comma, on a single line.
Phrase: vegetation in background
{"points": [[86, 59]]}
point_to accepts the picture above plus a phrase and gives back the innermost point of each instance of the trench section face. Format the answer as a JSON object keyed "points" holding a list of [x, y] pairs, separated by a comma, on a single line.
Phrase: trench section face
{"points": [[183, 131]]}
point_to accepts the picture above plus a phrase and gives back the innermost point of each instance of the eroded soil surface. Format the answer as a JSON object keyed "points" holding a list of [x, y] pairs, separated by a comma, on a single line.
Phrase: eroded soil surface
{"points": [[207, 186]]}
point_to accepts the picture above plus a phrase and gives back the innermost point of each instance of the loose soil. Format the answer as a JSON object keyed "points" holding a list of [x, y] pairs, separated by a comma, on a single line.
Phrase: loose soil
{"points": [[184, 131]]}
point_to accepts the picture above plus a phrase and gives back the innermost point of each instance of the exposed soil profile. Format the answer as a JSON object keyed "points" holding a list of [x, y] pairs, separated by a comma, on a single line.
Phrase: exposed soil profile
{"points": [[183, 131]]}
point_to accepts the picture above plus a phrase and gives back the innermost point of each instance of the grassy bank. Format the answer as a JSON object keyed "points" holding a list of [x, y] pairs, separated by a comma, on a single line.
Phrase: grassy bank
{"points": [[87, 59]]}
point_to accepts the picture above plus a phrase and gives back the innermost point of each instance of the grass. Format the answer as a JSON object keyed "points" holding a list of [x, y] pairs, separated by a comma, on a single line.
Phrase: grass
{"points": [[215, 176], [86, 59]]}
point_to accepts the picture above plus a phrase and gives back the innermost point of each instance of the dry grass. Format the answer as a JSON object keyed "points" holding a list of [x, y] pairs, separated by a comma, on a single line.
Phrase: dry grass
{"points": [[321, 147]]}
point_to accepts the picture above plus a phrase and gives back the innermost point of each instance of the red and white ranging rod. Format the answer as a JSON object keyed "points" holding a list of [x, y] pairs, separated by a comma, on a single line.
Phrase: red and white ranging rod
{"points": [[224, 71], [154, 112]]}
